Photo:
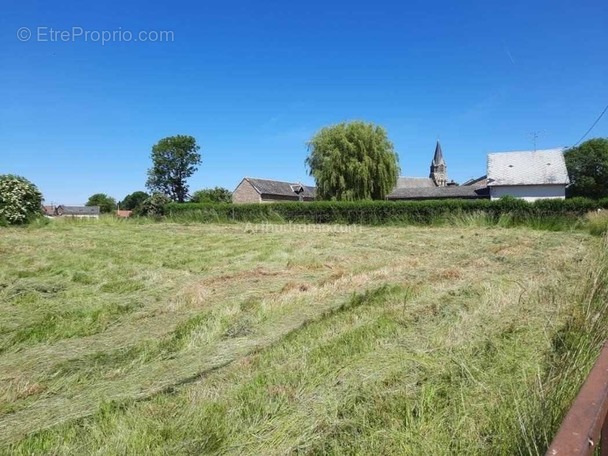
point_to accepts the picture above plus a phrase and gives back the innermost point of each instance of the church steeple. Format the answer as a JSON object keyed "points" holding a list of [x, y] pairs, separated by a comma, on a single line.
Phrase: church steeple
{"points": [[438, 157], [439, 170]]}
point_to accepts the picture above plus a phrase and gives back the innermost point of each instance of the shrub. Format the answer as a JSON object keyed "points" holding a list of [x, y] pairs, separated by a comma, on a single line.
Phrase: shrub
{"points": [[212, 195], [20, 200], [598, 222], [154, 206]]}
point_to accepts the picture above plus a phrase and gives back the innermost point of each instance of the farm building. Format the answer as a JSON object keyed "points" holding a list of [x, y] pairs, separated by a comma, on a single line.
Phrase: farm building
{"points": [[477, 182], [77, 211], [252, 190], [434, 193], [529, 175]]}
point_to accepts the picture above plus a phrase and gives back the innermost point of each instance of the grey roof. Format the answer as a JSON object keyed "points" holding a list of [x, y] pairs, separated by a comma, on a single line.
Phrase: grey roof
{"points": [[415, 182], [539, 167], [477, 182], [455, 192], [438, 157], [78, 210], [278, 188]]}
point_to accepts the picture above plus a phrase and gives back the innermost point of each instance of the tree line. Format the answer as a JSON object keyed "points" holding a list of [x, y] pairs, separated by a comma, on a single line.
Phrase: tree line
{"points": [[174, 160], [350, 161]]}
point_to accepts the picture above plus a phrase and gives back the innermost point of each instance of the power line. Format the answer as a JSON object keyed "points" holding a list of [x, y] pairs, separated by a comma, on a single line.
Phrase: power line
{"points": [[594, 124]]}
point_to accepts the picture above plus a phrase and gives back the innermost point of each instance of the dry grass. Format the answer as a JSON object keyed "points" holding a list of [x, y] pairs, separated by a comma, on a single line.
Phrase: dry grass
{"points": [[597, 222], [271, 343]]}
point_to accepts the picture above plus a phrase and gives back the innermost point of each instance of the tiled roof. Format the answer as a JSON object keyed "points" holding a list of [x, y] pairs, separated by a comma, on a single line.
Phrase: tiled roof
{"points": [[278, 188], [456, 192], [415, 182], [527, 168]]}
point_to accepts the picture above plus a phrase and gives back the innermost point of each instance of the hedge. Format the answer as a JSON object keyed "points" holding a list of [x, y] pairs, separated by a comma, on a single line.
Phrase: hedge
{"points": [[382, 212]]}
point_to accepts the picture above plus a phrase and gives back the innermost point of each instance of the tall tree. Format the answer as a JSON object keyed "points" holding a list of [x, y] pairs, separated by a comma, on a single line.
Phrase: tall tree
{"points": [[133, 200], [353, 161], [174, 159], [588, 168], [212, 195], [106, 203]]}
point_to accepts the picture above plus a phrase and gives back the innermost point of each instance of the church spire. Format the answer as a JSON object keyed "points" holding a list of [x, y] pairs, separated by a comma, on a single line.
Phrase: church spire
{"points": [[438, 157], [439, 170]]}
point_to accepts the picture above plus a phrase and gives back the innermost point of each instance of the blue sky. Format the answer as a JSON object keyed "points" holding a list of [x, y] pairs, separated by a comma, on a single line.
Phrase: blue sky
{"points": [[253, 81]]}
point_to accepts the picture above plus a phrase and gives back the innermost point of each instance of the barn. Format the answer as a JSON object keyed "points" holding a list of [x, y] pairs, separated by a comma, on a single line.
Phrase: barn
{"points": [[252, 190], [528, 175]]}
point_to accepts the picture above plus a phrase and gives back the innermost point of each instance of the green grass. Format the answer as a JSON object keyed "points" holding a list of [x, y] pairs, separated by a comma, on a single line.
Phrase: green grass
{"points": [[597, 223], [164, 338]]}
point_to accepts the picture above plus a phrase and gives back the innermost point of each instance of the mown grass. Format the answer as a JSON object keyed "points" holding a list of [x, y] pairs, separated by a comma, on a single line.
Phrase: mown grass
{"points": [[447, 340]]}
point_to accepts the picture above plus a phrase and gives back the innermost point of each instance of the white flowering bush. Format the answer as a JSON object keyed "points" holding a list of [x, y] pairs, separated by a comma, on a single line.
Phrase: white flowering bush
{"points": [[20, 200]]}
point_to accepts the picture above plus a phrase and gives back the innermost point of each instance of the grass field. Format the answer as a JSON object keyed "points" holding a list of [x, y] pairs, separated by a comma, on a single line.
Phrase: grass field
{"points": [[160, 338]]}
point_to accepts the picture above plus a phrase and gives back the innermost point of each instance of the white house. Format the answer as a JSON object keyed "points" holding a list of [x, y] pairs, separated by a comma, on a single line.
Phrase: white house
{"points": [[529, 175]]}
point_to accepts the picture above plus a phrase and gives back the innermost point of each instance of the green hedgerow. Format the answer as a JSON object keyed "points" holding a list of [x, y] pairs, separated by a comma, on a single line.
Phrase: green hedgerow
{"points": [[387, 212]]}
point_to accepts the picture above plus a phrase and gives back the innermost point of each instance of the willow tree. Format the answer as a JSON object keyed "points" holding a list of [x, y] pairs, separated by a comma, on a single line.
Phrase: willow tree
{"points": [[352, 161]]}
